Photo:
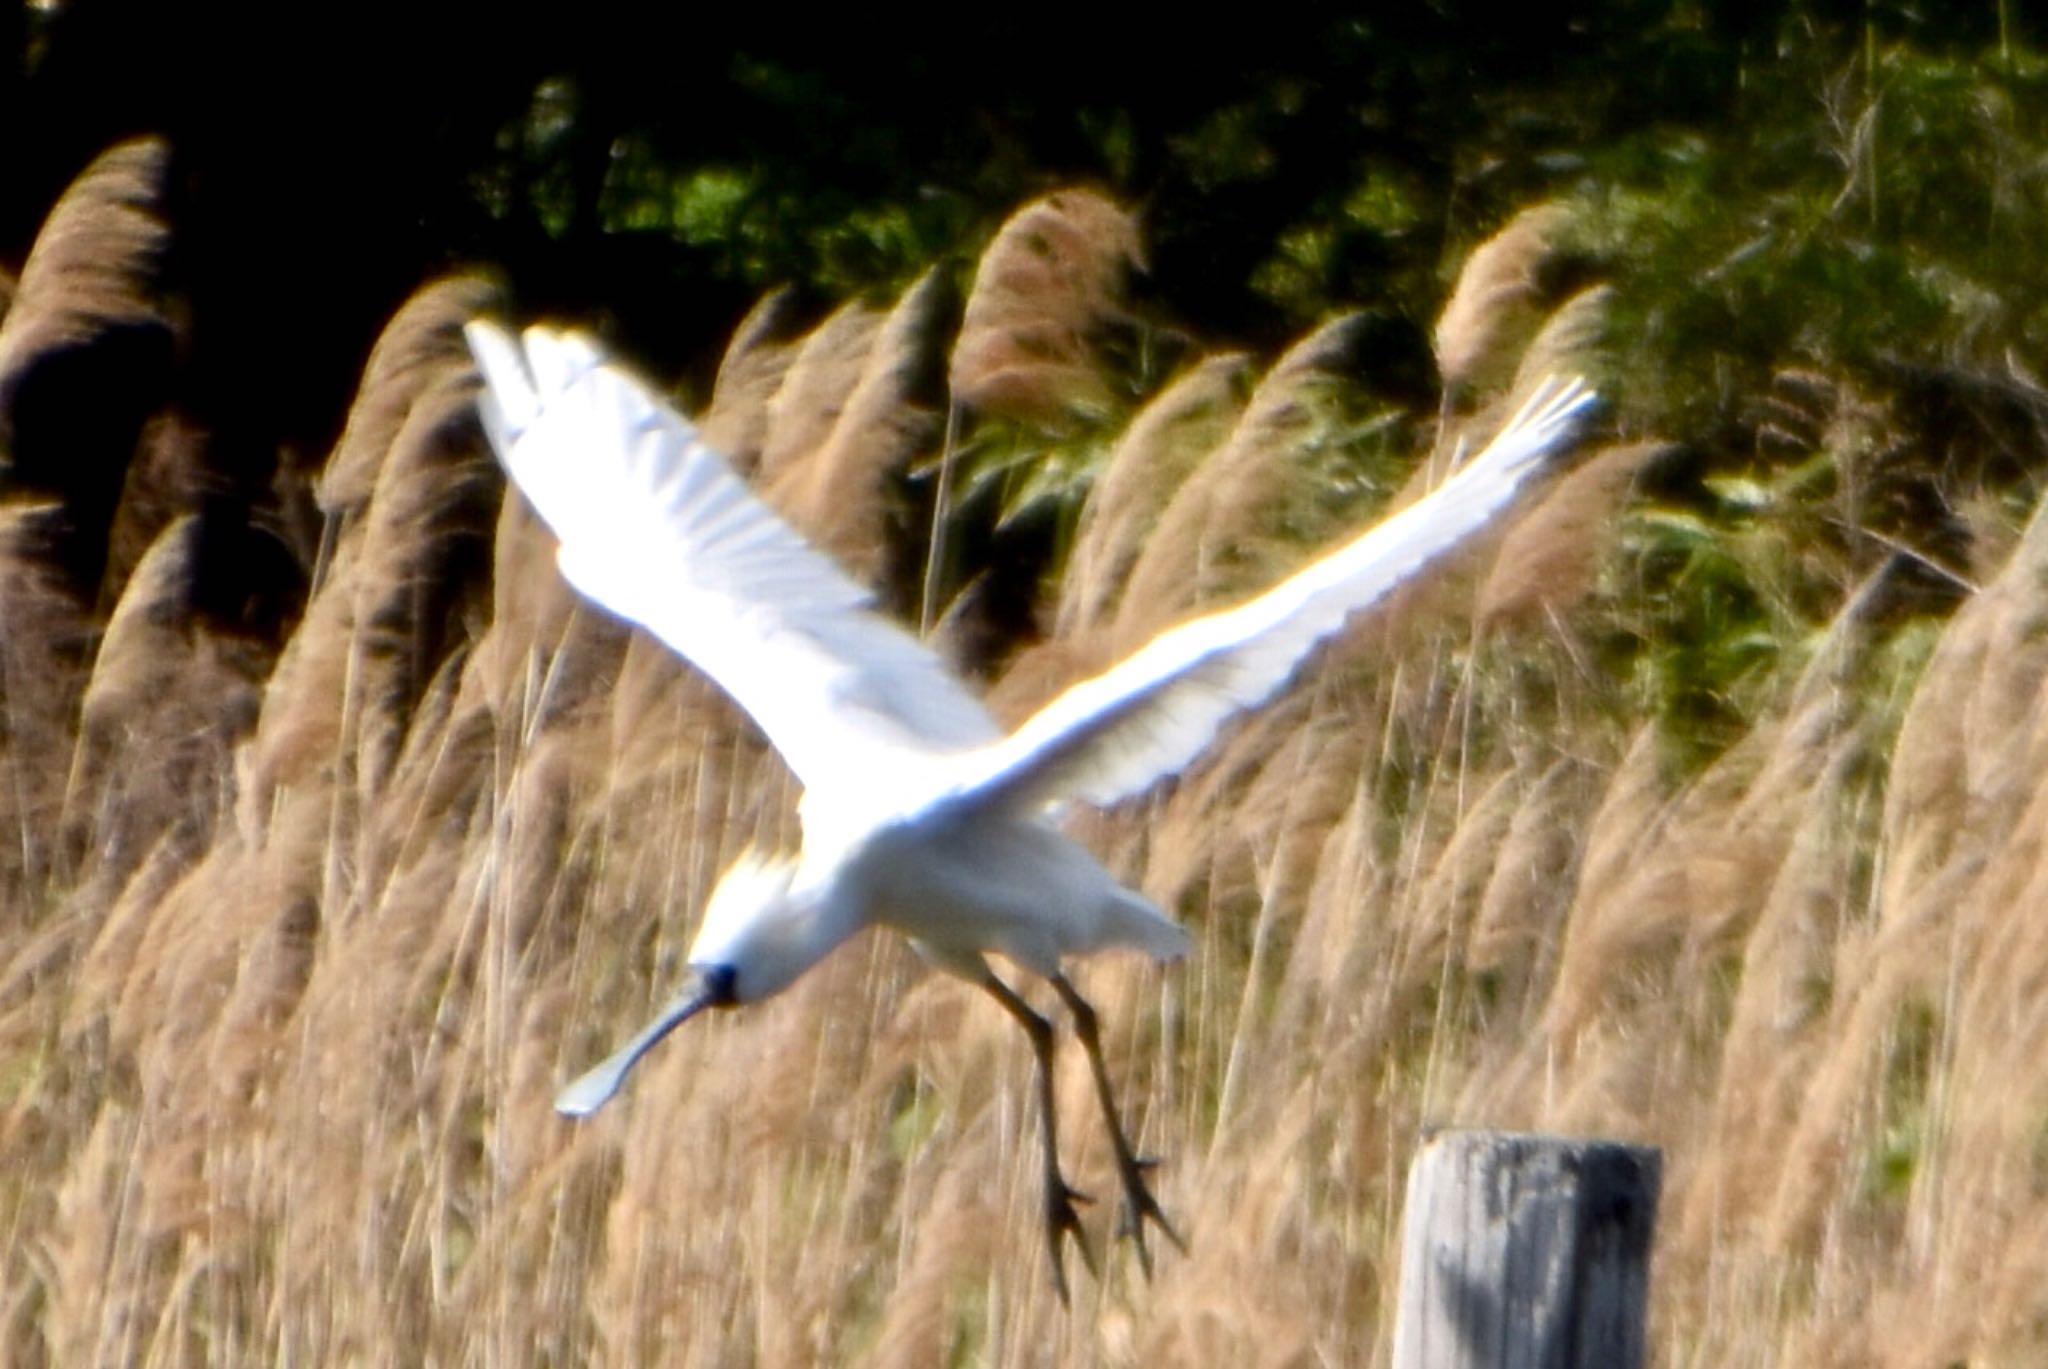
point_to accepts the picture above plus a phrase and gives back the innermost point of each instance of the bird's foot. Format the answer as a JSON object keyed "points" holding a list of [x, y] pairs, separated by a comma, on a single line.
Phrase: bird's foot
{"points": [[1062, 1221], [1140, 1207]]}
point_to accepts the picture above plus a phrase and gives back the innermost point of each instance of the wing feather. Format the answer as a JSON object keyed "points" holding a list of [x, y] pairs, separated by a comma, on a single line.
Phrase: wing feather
{"points": [[656, 527], [1154, 712]]}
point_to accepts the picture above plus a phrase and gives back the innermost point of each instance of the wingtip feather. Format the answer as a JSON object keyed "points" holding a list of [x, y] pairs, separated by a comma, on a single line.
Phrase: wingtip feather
{"points": [[508, 404], [560, 358]]}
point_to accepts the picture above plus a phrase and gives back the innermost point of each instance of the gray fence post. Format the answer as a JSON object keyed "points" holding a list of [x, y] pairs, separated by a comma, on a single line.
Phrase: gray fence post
{"points": [[1526, 1251]]}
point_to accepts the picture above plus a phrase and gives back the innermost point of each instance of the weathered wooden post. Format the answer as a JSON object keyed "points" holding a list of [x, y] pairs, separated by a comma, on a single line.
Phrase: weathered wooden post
{"points": [[1526, 1251]]}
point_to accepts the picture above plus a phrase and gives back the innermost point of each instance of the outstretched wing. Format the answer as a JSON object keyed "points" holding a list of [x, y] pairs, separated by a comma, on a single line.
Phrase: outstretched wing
{"points": [[656, 527], [1155, 711]]}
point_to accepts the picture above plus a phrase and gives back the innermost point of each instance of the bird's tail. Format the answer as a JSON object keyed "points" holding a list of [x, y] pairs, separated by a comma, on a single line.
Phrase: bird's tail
{"points": [[1133, 920]]}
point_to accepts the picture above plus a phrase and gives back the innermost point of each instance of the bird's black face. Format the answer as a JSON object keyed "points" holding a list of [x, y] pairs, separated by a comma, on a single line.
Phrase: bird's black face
{"points": [[720, 985]]}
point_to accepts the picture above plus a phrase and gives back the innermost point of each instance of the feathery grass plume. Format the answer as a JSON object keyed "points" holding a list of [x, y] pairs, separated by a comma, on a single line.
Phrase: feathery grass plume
{"points": [[1701, 1041], [1884, 1014], [437, 786], [32, 959], [1499, 302], [744, 1160], [548, 843], [363, 1231], [1304, 758], [1955, 768], [93, 267], [1774, 1042], [99, 1280], [1152, 458], [1426, 813], [1216, 1309], [110, 958], [145, 635], [174, 952], [1804, 760], [839, 493], [756, 360], [1182, 852], [829, 363], [1053, 276], [1702, 879], [413, 406], [169, 478], [1252, 828], [299, 725], [664, 720], [166, 703], [1571, 342], [1243, 509], [1350, 875], [189, 1183], [544, 656], [1922, 1102], [937, 1309], [1550, 556], [2003, 701], [1516, 927], [8, 286], [86, 351], [1928, 799], [426, 537], [277, 935], [409, 360], [1617, 840], [1444, 901], [42, 671], [477, 909], [1968, 1119]]}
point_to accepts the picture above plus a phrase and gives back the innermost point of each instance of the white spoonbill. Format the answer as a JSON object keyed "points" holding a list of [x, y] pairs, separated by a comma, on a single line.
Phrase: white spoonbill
{"points": [[918, 812]]}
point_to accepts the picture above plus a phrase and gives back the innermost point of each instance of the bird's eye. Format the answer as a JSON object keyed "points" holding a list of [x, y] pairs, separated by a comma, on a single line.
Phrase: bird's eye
{"points": [[721, 985]]}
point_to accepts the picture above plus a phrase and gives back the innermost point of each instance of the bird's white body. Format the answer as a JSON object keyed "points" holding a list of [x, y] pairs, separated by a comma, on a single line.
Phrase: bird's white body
{"points": [[960, 884], [919, 813]]}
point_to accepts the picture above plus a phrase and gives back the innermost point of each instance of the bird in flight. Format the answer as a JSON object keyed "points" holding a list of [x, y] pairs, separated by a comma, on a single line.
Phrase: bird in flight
{"points": [[918, 812]]}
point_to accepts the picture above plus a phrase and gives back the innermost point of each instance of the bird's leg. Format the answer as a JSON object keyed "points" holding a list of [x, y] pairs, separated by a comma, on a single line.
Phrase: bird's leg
{"points": [[1139, 1204], [1060, 1218]]}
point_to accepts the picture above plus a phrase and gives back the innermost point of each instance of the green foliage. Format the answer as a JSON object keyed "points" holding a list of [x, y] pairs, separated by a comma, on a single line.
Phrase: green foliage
{"points": [[759, 233], [1373, 235], [1862, 215], [1907, 1129], [1845, 218], [1710, 632]]}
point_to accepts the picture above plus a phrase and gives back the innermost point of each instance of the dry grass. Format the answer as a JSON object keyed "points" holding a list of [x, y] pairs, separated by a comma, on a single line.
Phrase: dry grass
{"points": [[291, 963], [1049, 282], [94, 261], [1500, 301]]}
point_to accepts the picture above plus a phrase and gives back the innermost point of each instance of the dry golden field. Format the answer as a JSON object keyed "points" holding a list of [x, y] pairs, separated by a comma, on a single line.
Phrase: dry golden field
{"points": [[297, 943]]}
